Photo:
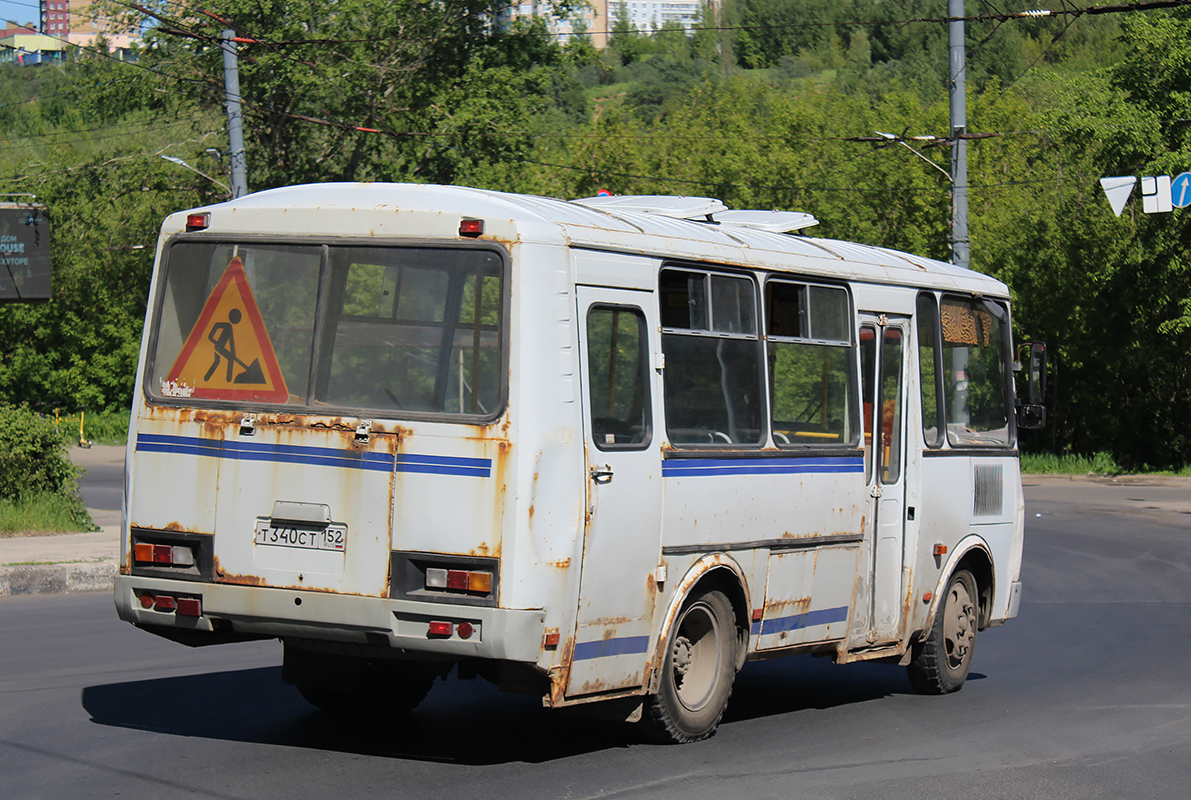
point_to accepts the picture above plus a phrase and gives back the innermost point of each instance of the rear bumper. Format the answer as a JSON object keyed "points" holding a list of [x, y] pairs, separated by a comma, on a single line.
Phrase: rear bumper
{"points": [[497, 633]]}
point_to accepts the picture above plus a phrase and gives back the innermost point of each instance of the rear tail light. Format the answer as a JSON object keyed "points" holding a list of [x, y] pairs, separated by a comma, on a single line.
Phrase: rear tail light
{"points": [[440, 628], [459, 580], [163, 554], [163, 602], [184, 606], [183, 556]]}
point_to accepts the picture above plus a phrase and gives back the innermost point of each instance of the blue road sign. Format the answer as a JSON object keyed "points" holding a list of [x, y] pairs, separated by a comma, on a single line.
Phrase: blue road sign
{"points": [[1180, 190]]}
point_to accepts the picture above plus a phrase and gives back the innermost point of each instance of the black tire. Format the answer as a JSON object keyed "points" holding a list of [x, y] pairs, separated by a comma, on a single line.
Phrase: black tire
{"points": [[386, 689], [698, 667], [943, 659]]}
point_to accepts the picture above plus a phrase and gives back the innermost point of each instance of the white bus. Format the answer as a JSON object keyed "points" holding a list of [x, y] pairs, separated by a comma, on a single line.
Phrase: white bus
{"points": [[603, 450]]}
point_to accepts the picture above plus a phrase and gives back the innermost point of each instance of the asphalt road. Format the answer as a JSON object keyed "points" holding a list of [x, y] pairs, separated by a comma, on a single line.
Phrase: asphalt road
{"points": [[101, 484], [1084, 695]]}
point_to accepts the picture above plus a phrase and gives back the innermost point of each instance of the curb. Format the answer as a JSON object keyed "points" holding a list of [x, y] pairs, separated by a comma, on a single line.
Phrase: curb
{"points": [[56, 578]]}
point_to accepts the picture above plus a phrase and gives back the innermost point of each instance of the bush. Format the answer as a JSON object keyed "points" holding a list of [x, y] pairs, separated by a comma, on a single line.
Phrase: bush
{"points": [[34, 464]]}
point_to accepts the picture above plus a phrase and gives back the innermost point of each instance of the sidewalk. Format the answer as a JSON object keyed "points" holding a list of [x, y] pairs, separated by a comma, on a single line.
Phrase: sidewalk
{"points": [[68, 562]]}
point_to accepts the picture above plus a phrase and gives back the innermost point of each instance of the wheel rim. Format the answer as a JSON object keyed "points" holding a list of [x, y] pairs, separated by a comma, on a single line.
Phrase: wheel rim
{"points": [[695, 659], [959, 625]]}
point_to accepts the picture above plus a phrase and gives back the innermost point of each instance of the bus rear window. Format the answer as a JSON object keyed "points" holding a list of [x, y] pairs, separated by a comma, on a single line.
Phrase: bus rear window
{"points": [[414, 330]]}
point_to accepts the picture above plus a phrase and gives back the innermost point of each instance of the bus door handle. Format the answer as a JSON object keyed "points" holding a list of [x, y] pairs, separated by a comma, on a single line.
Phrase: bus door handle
{"points": [[602, 474]]}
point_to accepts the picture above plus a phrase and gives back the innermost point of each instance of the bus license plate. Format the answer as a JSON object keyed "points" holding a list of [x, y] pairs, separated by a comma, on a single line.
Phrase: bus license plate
{"points": [[332, 537]]}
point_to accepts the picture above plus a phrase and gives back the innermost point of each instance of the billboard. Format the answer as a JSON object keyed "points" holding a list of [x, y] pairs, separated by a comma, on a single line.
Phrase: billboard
{"points": [[24, 253]]}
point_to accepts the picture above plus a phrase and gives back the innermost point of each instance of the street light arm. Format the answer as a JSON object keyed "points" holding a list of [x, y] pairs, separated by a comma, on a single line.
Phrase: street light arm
{"points": [[182, 163], [891, 137]]}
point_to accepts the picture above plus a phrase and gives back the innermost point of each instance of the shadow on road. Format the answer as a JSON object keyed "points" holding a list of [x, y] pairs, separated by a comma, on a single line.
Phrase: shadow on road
{"points": [[464, 722]]}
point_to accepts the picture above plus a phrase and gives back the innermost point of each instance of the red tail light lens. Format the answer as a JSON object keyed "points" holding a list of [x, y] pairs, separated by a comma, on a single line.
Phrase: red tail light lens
{"points": [[163, 602], [438, 628]]}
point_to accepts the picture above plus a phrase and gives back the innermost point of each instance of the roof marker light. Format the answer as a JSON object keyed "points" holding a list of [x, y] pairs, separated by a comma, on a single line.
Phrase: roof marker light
{"points": [[197, 222], [471, 227]]}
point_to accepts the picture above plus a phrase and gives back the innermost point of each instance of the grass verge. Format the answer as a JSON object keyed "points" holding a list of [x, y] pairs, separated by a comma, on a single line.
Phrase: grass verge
{"points": [[44, 513], [96, 427], [1101, 463]]}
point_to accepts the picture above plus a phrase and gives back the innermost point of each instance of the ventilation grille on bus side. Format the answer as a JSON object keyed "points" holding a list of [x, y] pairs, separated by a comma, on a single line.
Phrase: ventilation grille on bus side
{"points": [[989, 491]]}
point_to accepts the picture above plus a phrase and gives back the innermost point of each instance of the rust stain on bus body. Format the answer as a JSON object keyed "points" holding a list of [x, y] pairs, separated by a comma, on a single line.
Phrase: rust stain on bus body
{"points": [[560, 675], [222, 576]]}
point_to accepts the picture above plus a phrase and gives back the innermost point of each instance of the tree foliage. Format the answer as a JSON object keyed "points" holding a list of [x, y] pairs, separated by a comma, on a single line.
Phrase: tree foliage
{"points": [[764, 106]]}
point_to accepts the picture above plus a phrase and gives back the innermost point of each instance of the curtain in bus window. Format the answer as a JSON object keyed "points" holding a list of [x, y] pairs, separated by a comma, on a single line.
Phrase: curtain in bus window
{"points": [[712, 378], [974, 374], [618, 377], [891, 405], [811, 371], [271, 319], [413, 329], [928, 370]]}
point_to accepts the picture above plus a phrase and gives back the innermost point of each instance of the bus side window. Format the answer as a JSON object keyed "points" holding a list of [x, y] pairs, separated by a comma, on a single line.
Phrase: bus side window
{"points": [[618, 377], [811, 366], [713, 367]]}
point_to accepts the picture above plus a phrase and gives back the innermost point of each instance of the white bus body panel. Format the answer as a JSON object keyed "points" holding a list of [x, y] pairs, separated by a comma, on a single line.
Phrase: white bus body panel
{"points": [[589, 573]]}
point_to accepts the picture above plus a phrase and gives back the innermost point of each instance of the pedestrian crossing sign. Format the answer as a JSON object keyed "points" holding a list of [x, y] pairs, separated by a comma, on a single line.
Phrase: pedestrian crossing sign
{"points": [[228, 354]]}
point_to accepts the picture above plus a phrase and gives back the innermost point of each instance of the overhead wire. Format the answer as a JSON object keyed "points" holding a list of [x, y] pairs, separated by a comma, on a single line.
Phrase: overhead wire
{"points": [[347, 126]]}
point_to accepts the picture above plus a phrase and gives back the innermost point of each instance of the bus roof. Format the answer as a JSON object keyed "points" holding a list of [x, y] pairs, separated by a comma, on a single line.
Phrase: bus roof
{"points": [[336, 208]]}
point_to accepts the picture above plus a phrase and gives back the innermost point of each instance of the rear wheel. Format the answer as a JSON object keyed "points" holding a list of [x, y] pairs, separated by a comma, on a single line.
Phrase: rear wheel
{"points": [[942, 661], [699, 665]]}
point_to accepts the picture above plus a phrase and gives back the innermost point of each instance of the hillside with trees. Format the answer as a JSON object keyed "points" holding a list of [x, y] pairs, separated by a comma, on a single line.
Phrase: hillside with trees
{"points": [[771, 104]]}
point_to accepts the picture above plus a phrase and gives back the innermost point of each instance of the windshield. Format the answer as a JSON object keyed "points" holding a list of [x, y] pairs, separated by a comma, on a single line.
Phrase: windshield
{"points": [[398, 329]]}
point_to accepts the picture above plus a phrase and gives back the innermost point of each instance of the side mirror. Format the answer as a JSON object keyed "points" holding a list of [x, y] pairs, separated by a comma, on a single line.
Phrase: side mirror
{"points": [[1031, 415], [1036, 375]]}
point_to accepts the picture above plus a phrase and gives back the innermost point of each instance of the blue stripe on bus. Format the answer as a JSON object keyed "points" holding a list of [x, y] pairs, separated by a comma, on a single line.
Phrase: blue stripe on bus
{"points": [[796, 622], [601, 648], [444, 465], [680, 467], [315, 456]]}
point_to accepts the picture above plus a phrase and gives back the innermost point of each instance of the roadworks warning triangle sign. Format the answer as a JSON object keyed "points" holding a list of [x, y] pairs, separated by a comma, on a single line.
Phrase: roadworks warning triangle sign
{"points": [[228, 354]]}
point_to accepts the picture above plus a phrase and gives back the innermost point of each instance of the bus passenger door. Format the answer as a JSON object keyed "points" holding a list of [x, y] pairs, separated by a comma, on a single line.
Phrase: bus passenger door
{"points": [[622, 535], [882, 363]]}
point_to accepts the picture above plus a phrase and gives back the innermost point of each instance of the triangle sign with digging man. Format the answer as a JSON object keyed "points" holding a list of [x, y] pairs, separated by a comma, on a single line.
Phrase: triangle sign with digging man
{"points": [[228, 354]]}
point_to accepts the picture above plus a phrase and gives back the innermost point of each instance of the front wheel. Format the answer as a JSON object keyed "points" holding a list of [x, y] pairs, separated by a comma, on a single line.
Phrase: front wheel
{"points": [[698, 667], [942, 661]]}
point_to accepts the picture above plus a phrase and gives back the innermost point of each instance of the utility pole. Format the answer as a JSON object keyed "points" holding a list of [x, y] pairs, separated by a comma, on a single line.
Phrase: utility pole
{"points": [[959, 126], [235, 120]]}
